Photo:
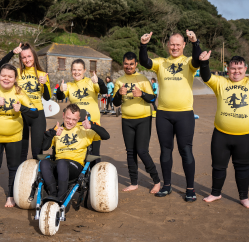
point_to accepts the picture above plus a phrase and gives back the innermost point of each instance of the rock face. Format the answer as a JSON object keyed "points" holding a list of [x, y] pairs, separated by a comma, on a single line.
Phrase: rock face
{"points": [[20, 29]]}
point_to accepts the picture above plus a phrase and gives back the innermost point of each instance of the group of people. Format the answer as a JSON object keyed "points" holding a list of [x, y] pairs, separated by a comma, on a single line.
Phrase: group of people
{"points": [[20, 106]]}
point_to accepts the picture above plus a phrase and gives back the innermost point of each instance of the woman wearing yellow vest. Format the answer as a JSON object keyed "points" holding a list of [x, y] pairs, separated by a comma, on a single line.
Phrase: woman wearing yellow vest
{"points": [[84, 91], [35, 83], [231, 133], [13, 103]]}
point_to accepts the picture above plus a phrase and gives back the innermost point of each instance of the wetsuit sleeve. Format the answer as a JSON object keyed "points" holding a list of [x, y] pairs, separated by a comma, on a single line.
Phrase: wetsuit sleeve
{"points": [[59, 94], [6, 58], [48, 138], [143, 57], [46, 94], [149, 98], [102, 86], [205, 71], [117, 98], [103, 134], [196, 51], [31, 112], [47, 90]]}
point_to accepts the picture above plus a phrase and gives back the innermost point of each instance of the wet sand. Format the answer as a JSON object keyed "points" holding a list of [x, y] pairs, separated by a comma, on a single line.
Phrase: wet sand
{"points": [[141, 216]]}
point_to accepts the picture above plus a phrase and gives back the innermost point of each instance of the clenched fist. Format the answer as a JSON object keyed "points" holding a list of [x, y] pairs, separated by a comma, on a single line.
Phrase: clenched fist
{"points": [[63, 86], [59, 129], [86, 123], [123, 90], [2, 101], [94, 78], [145, 39], [137, 92], [16, 106], [43, 79], [191, 36]]}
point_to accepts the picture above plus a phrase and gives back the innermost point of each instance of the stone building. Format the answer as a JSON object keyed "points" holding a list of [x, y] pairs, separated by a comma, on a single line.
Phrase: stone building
{"points": [[56, 60]]}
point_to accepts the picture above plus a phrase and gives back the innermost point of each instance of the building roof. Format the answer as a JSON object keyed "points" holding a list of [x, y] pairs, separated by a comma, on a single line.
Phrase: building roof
{"points": [[72, 51]]}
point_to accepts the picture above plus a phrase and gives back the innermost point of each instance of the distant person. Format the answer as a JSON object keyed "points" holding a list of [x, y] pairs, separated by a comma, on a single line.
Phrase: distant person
{"points": [[175, 116], [110, 89], [155, 90], [134, 93], [231, 133], [7, 58]]}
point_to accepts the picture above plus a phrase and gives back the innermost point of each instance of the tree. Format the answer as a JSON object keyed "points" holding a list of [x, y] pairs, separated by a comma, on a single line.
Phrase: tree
{"points": [[9, 6]]}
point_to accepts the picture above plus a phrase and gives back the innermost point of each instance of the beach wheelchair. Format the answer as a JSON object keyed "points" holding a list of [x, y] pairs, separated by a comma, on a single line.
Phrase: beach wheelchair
{"points": [[30, 193]]}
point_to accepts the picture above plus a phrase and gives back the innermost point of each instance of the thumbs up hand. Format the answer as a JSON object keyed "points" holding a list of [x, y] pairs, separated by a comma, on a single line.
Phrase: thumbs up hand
{"points": [[86, 123], [18, 49], [59, 129], [145, 39], [63, 86], [94, 78], [43, 79], [16, 106], [123, 90], [2, 101], [137, 92]]}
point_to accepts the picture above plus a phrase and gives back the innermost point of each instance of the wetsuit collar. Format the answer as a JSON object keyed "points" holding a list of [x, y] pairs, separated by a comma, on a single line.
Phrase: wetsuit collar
{"points": [[175, 58], [6, 90], [80, 80], [244, 79]]}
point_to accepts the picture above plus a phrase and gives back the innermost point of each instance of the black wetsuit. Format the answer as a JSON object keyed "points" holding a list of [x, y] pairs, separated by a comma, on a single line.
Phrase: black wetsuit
{"points": [[170, 123]]}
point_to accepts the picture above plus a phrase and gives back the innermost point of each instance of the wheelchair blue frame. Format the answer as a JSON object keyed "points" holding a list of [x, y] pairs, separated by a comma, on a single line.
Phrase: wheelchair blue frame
{"points": [[40, 181]]}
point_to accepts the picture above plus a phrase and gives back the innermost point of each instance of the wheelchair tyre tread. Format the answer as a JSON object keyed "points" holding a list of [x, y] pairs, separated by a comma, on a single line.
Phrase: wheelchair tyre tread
{"points": [[49, 222], [25, 177], [104, 187]]}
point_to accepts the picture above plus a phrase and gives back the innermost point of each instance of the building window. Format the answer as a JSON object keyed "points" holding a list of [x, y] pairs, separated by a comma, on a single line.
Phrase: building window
{"points": [[93, 66], [61, 64]]}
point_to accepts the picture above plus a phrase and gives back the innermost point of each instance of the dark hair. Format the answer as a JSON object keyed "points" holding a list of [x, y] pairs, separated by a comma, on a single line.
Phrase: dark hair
{"points": [[153, 79], [37, 66], [78, 61], [12, 68], [72, 107], [130, 56], [236, 60], [108, 78]]}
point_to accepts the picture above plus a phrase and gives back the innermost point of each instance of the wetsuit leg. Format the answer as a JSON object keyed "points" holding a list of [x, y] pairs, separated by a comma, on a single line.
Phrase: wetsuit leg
{"points": [[48, 173], [129, 134], [240, 157], [25, 138], [143, 133], [13, 156], [184, 129], [38, 127], [66, 170], [96, 151], [165, 132], [221, 152]]}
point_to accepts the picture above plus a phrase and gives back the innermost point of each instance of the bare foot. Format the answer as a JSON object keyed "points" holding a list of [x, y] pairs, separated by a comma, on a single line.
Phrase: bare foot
{"points": [[130, 188], [245, 202], [156, 188], [211, 198], [10, 202]]}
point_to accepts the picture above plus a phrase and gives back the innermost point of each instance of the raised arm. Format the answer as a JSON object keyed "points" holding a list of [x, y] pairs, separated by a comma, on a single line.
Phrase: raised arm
{"points": [[196, 51], [143, 56], [204, 65]]}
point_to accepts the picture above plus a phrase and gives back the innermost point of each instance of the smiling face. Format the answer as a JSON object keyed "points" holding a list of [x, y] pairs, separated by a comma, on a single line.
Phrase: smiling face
{"points": [[129, 66], [27, 58], [70, 119], [7, 79], [176, 45], [78, 71], [237, 71]]}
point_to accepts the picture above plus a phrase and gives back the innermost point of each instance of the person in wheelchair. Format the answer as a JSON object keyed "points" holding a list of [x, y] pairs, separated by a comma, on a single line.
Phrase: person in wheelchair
{"points": [[70, 142]]}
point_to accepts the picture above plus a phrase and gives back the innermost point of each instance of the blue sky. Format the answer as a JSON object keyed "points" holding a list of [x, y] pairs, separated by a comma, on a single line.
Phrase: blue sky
{"points": [[232, 9]]}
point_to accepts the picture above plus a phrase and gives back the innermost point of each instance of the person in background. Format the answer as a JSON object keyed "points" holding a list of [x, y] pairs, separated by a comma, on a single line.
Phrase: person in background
{"points": [[155, 90], [110, 89]]}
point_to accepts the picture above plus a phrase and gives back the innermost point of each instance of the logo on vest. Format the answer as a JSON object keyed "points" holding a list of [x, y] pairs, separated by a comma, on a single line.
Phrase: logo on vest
{"points": [[67, 140], [173, 69], [233, 101], [30, 88], [78, 94], [8, 106]]}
